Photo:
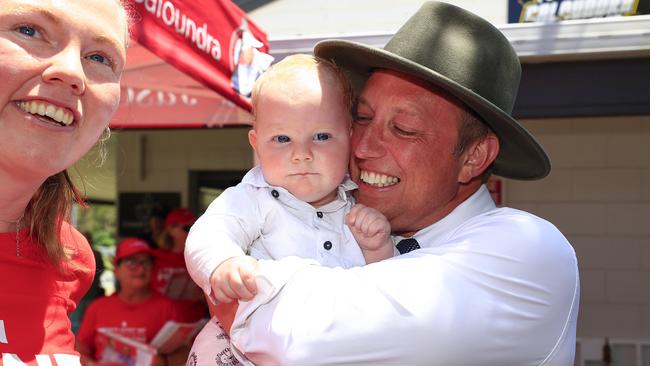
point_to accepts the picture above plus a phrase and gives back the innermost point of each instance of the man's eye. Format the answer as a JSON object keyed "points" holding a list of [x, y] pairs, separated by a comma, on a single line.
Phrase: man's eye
{"points": [[362, 119], [322, 136], [282, 139], [27, 30], [403, 132]]}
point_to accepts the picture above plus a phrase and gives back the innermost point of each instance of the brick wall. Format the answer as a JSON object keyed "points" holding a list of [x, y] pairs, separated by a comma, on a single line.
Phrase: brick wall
{"points": [[169, 155], [598, 195]]}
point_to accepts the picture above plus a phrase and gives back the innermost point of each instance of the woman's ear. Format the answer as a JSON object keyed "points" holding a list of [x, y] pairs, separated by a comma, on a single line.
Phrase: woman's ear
{"points": [[478, 158]]}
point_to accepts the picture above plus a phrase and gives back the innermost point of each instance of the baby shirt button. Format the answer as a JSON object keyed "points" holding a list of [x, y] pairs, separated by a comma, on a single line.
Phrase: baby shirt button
{"points": [[327, 245], [275, 193]]}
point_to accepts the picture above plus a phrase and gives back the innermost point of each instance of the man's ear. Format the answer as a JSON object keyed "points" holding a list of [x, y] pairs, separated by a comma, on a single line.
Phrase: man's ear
{"points": [[478, 158]]}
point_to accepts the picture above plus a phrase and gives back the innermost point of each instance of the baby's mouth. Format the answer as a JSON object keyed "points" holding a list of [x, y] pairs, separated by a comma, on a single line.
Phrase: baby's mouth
{"points": [[378, 179], [47, 111]]}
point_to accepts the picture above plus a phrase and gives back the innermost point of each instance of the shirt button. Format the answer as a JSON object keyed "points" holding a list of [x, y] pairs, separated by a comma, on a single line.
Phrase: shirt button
{"points": [[327, 245], [275, 193], [319, 214]]}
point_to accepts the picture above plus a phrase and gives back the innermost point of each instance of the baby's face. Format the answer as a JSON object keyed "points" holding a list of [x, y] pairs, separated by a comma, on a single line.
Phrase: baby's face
{"points": [[302, 139]]}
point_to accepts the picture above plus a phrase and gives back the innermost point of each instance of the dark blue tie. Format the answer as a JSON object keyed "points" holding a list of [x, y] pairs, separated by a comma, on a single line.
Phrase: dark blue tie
{"points": [[406, 245]]}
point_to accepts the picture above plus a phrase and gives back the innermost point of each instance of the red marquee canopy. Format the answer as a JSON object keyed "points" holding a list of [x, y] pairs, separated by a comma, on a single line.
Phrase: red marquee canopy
{"points": [[191, 64]]}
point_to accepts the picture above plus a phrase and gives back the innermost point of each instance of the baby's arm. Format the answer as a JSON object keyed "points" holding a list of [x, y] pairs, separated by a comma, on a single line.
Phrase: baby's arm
{"points": [[372, 232], [216, 245], [234, 279]]}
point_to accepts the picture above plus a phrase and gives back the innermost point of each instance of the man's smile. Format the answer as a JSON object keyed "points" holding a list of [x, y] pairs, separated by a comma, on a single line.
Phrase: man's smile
{"points": [[378, 179]]}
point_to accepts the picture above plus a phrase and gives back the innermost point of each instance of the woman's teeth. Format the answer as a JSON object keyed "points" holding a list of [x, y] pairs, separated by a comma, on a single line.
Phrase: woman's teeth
{"points": [[378, 180], [58, 114]]}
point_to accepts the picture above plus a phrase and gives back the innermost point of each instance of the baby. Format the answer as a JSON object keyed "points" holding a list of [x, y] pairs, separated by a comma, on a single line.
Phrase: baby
{"points": [[297, 202]]}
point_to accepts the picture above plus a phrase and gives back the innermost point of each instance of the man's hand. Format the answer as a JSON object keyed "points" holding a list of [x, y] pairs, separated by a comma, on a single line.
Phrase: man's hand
{"points": [[234, 279], [371, 230]]}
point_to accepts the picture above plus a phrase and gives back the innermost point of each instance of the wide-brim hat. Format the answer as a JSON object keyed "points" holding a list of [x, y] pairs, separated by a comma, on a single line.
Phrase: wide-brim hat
{"points": [[465, 56]]}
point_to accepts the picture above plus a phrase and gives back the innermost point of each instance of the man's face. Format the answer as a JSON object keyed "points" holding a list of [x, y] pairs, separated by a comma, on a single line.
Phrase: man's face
{"points": [[402, 151]]}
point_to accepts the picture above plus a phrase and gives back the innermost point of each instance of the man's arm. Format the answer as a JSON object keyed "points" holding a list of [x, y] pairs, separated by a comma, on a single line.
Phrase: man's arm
{"points": [[493, 296]]}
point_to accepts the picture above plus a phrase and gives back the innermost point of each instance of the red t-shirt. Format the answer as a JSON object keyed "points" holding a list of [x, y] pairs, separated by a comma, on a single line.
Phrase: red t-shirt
{"points": [[36, 298], [170, 267], [139, 321]]}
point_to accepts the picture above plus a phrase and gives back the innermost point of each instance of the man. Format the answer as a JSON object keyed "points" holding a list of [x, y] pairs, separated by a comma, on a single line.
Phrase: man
{"points": [[481, 285]]}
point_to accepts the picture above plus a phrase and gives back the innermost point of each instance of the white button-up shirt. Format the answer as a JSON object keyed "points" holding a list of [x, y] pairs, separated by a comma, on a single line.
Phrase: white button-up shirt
{"points": [[268, 222], [490, 286]]}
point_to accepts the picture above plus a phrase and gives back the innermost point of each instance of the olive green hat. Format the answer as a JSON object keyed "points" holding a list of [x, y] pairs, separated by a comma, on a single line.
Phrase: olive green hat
{"points": [[465, 56]]}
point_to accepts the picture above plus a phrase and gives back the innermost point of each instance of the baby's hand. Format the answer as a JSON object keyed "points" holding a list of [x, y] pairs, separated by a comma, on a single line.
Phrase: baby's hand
{"points": [[371, 230], [234, 279]]}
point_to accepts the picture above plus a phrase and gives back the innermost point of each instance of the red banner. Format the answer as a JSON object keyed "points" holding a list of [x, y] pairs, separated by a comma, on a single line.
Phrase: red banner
{"points": [[213, 41]]}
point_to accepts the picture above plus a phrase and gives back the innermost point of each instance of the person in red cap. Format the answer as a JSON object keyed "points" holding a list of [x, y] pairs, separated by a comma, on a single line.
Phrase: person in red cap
{"points": [[170, 276], [135, 311]]}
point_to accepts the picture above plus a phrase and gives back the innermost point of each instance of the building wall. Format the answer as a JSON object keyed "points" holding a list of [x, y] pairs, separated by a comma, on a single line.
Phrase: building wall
{"points": [[289, 18], [598, 195], [160, 161], [94, 174]]}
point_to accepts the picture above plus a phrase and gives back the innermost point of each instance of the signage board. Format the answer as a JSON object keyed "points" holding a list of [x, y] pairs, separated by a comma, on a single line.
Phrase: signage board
{"points": [[550, 11]]}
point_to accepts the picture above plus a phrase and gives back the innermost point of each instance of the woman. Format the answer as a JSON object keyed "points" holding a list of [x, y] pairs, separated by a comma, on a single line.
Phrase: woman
{"points": [[60, 71], [135, 311]]}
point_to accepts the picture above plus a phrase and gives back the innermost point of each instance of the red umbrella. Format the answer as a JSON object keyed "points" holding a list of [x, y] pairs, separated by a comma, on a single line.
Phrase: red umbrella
{"points": [[192, 64]]}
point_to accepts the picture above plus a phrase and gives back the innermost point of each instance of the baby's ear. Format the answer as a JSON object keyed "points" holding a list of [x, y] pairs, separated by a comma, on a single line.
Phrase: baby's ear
{"points": [[252, 139]]}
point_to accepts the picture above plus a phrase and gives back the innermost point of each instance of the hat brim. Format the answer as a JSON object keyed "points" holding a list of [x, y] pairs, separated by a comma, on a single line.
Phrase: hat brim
{"points": [[520, 155]]}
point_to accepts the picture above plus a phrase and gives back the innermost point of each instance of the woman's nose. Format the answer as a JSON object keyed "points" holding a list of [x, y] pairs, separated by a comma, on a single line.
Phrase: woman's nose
{"points": [[67, 69]]}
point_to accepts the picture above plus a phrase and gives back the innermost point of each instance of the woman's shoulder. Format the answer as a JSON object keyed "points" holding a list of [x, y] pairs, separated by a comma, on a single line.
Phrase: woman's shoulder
{"points": [[81, 259], [73, 240]]}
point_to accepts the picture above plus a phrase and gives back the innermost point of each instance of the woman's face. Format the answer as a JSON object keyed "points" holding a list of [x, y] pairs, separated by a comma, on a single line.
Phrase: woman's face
{"points": [[60, 72]]}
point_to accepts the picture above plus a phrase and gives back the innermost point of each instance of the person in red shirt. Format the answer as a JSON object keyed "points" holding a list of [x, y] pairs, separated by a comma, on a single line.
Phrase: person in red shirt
{"points": [[60, 71], [170, 276], [135, 311]]}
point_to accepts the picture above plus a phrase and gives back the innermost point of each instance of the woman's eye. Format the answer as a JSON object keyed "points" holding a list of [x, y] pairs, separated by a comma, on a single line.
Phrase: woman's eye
{"points": [[282, 139], [322, 136], [96, 57], [27, 30]]}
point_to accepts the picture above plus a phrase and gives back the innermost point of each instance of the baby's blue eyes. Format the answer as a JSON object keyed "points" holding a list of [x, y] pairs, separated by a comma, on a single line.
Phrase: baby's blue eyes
{"points": [[322, 136], [282, 139]]}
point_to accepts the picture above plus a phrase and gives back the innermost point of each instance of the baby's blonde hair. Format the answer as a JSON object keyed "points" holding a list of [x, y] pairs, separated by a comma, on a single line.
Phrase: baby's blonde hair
{"points": [[286, 70]]}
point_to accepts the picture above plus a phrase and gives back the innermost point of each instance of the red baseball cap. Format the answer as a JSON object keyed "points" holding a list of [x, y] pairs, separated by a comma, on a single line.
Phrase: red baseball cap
{"points": [[131, 246], [180, 216]]}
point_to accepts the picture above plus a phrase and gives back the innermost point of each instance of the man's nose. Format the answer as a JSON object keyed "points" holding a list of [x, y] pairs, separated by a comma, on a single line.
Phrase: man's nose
{"points": [[66, 68], [368, 142]]}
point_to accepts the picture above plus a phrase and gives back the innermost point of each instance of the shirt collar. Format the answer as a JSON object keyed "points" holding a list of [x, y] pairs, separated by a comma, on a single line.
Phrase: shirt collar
{"points": [[255, 178], [478, 203]]}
